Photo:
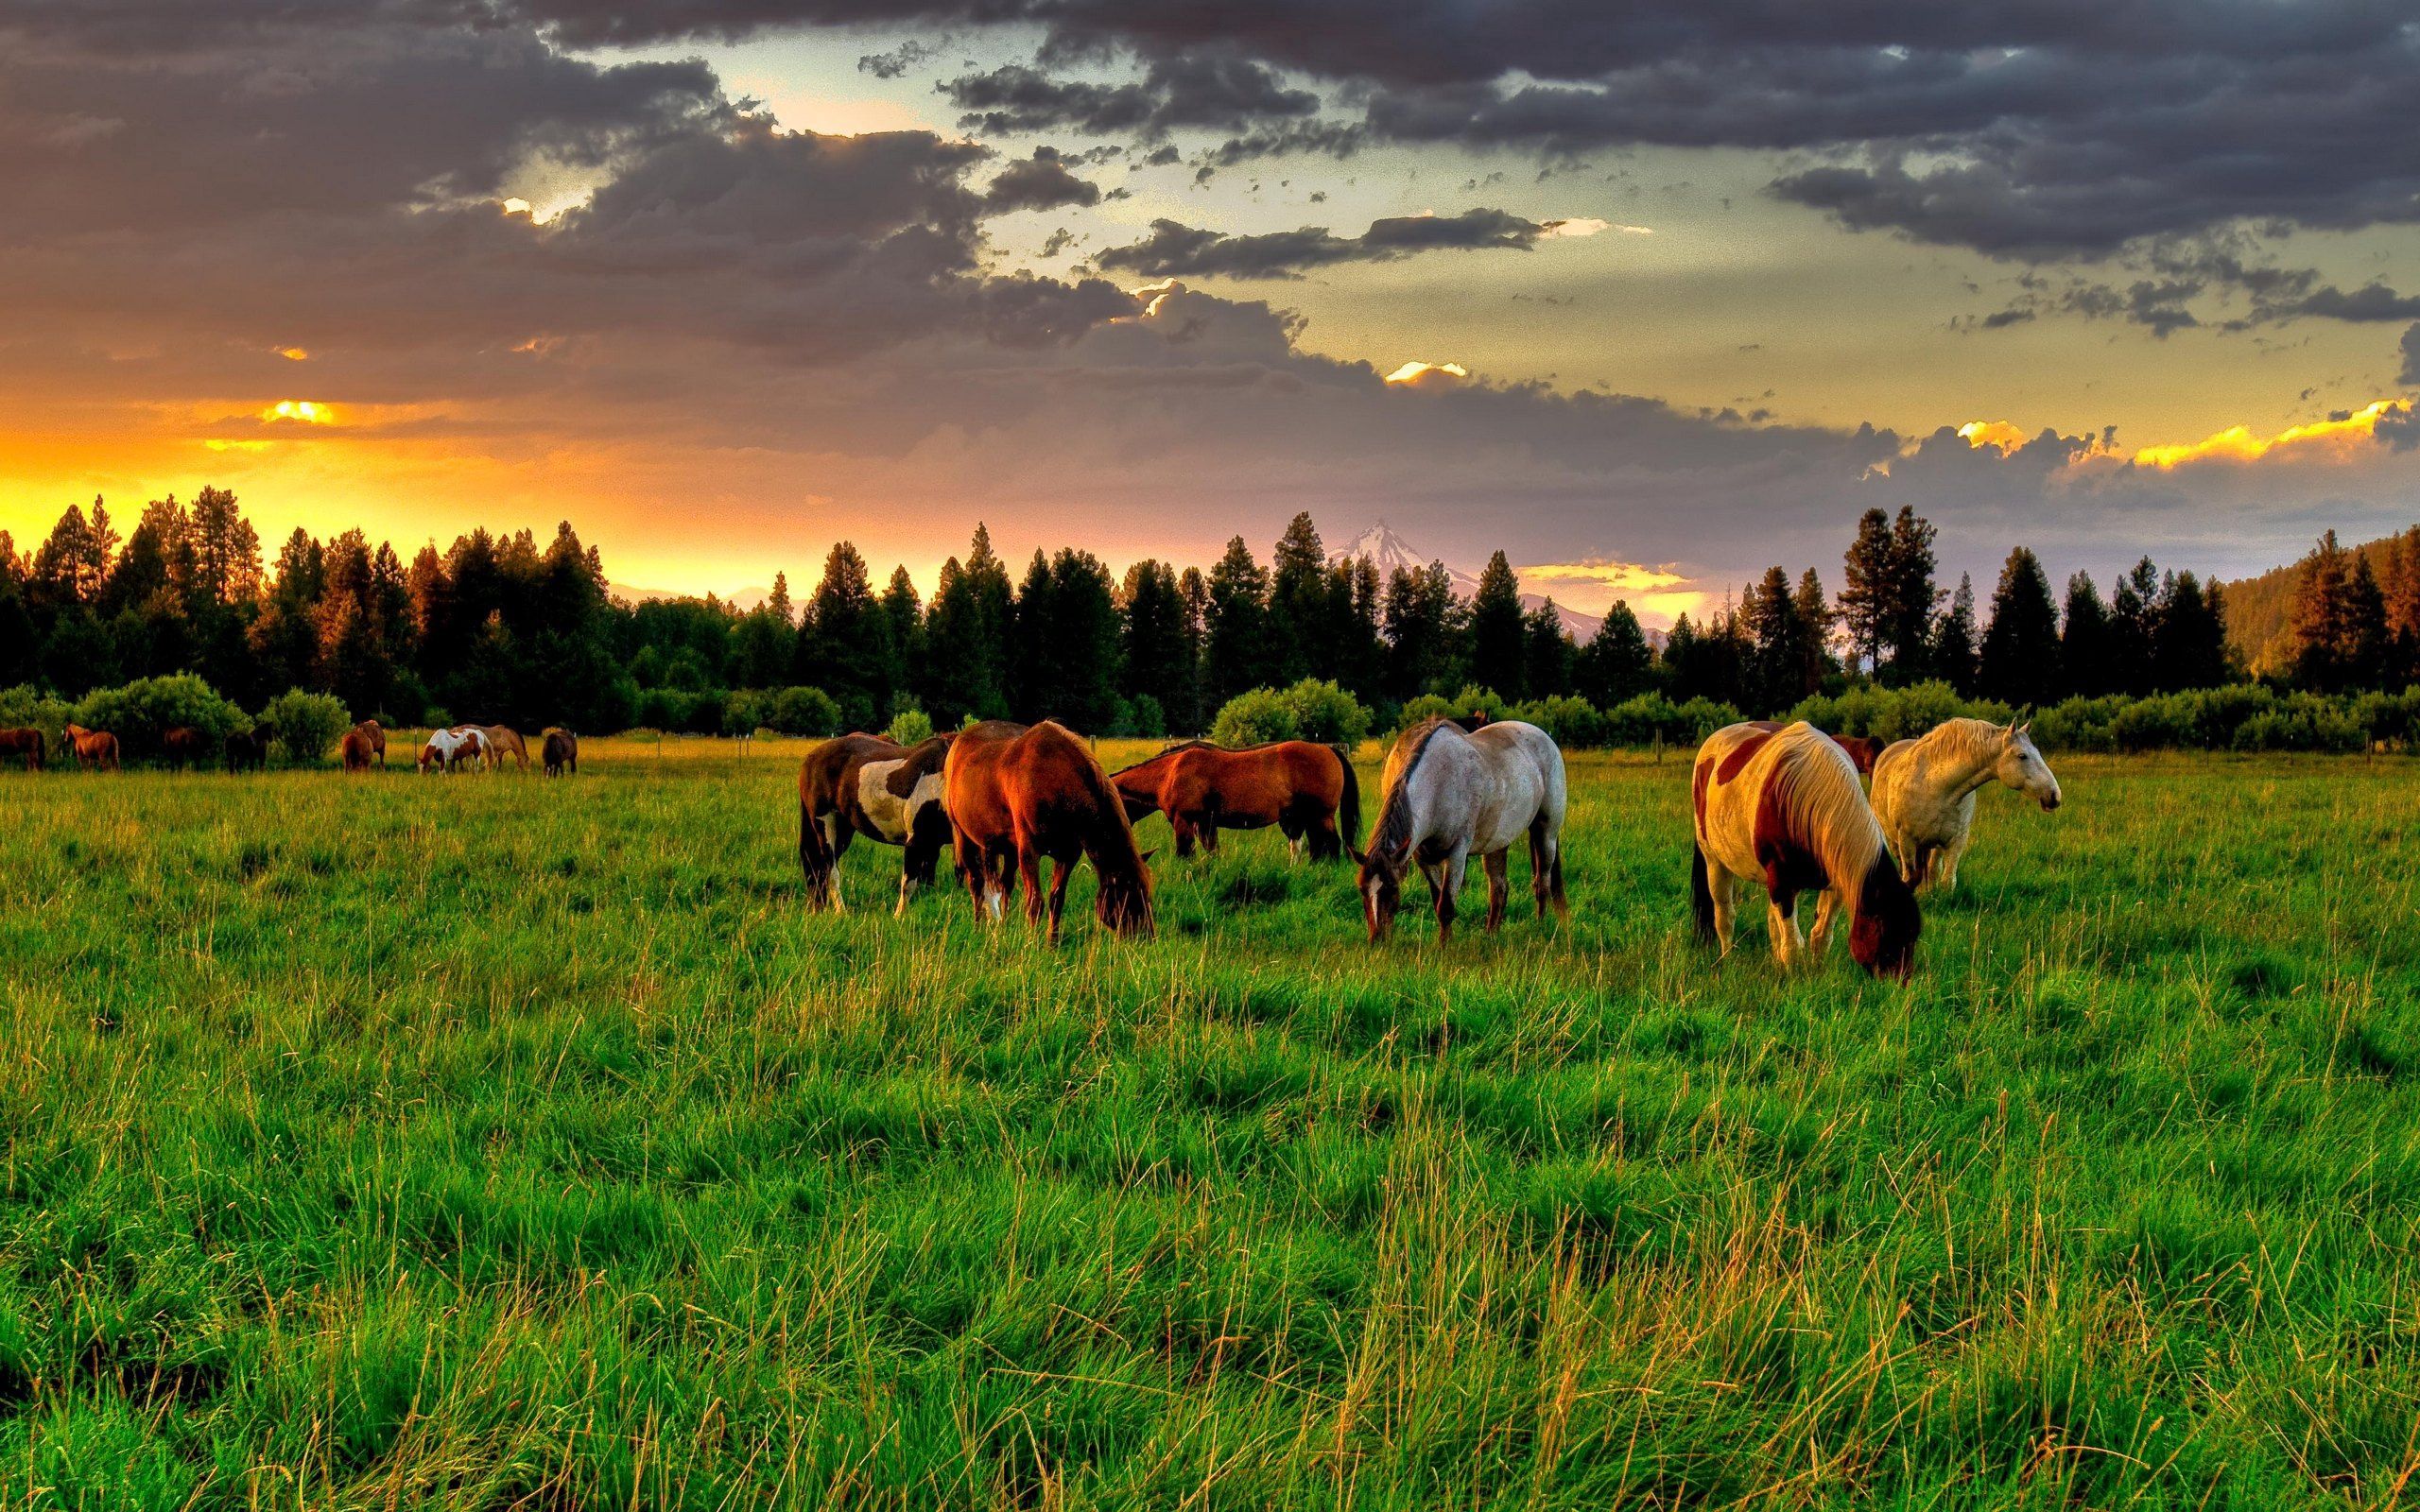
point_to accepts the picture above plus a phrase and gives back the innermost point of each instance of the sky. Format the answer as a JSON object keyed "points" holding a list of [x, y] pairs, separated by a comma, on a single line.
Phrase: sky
{"points": [[1650, 296]]}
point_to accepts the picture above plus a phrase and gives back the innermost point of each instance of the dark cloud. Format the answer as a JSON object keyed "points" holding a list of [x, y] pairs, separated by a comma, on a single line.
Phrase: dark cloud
{"points": [[2411, 373], [897, 63], [1220, 93], [2000, 320], [1041, 181], [1174, 249]]}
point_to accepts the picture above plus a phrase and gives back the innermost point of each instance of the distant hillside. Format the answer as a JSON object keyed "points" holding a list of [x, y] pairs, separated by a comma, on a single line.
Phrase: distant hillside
{"points": [[744, 600], [2260, 610], [1390, 551]]}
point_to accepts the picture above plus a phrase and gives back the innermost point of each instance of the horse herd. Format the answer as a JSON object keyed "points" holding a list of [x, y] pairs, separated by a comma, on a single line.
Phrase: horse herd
{"points": [[1782, 806], [485, 747]]}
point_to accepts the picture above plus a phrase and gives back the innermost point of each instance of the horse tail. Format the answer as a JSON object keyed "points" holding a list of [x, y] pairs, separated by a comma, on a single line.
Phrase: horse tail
{"points": [[1700, 894], [1348, 808]]}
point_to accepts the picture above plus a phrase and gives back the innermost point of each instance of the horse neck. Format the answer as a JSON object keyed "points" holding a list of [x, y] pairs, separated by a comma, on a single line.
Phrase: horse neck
{"points": [[1958, 760]]}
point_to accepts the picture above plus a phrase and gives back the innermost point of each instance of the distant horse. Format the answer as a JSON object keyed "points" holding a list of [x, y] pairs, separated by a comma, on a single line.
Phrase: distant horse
{"points": [[23, 741], [96, 748], [1863, 749], [449, 749], [1783, 807], [871, 785], [502, 740], [1452, 794], [184, 746], [246, 750], [356, 749], [1472, 723], [1924, 790], [376, 736], [1308, 790], [561, 750], [1017, 795]]}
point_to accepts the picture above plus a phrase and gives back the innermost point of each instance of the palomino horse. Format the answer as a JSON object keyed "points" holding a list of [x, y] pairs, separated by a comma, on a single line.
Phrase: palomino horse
{"points": [[96, 748], [1307, 790], [356, 749], [24, 741], [1016, 796], [869, 785], [1783, 807], [560, 749], [449, 749], [376, 736], [1924, 790], [1452, 794]]}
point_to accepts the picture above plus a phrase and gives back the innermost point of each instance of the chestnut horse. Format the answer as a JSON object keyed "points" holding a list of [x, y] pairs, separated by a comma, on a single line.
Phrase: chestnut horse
{"points": [[375, 735], [356, 749], [24, 741], [871, 785], [1308, 790], [502, 740], [1784, 808], [1016, 795], [92, 747]]}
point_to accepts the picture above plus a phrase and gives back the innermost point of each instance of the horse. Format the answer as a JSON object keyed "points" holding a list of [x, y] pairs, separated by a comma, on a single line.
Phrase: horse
{"points": [[96, 748], [1783, 808], [24, 741], [560, 749], [449, 749], [1863, 749], [356, 749], [246, 749], [1016, 795], [1924, 790], [1452, 794], [502, 740], [871, 785], [184, 746], [1307, 790], [375, 734]]}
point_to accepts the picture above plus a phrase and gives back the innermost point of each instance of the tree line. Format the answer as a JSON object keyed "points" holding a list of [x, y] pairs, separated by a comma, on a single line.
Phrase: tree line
{"points": [[508, 627]]}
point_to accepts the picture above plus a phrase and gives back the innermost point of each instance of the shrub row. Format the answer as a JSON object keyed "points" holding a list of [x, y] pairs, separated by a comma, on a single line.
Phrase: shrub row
{"points": [[304, 724]]}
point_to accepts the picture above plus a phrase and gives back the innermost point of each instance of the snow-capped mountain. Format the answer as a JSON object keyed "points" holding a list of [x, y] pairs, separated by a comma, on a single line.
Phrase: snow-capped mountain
{"points": [[1390, 551]]}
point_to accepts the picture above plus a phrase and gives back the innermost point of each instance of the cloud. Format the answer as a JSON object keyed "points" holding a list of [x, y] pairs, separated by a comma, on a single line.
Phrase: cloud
{"points": [[1430, 375], [1176, 251], [1041, 181], [1207, 91], [2411, 373], [2344, 429]]}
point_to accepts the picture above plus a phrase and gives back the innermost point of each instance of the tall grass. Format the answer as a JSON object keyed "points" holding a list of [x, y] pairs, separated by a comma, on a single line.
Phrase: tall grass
{"points": [[491, 1142]]}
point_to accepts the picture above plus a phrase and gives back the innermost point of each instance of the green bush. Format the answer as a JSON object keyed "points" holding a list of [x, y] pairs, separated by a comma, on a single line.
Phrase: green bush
{"points": [[909, 726], [1254, 718], [1571, 721], [1310, 709], [805, 712], [306, 723], [1144, 717], [745, 710], [138, 713], [1473, 700]]}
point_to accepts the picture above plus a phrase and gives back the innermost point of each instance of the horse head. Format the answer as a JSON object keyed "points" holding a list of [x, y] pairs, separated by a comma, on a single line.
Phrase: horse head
{"points": [[1123, 902], [1882, 936], [1381, 883], [2021, 767]]}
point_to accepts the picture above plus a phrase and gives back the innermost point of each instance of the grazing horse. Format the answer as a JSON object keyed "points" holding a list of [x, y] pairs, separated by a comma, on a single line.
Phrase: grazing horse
{"points": [[245, 749], [871, 785], [1924, 790], [96, 748], [24, 741], [1307, 790], [356, 749], [449, 749], [375, 734], [501, 741], [184, 746], [1783, 808], [1863, 749], [1452, 794], [561, 750], [1016, 795]]}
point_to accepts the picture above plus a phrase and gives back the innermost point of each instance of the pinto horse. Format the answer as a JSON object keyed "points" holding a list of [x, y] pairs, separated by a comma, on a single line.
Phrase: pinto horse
{"points": [[1017, 795], [449, 749], [1783, 807], [1307, 790], [1452, 794], [96, 748], [24, 741], [871, 785]]}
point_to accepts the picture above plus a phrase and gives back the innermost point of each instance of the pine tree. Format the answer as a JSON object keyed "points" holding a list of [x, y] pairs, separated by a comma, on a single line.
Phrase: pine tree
{"points": [[1546, 653], [1300, 621], [843, 647], [1235, 655], [1425, 626], [1153, 660], [903, 621], [1616, 664], [1815, 618], [1953, 647], [2133, 606], [1867, 604], [2188, 636], [1193, 590], [1913, 596], [2339, 622], [2084, 639], [1776, 642], [2019, 660], [1496, 629], [2400, 589]]}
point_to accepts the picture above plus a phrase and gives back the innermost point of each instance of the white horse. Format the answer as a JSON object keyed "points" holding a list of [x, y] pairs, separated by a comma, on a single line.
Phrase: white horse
{"points": [[1924, 790], [1782, 809], [449, 749], [1450, 794]]}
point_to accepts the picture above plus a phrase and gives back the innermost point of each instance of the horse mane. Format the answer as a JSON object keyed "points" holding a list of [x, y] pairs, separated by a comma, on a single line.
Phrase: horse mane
{"points": [[921, 759], [1816, 803], [1976, 740], [1394, 824]]}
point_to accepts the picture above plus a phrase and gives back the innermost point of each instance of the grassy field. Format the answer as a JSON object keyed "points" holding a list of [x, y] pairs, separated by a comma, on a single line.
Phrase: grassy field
{"points": [[488, 1143]]}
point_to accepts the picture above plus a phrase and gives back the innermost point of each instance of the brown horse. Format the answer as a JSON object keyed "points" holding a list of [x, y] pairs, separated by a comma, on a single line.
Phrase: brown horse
{"points": [[560, 751], [1308, 790], [1861, 749], [376, 736], [1017, 795], [24, 741], [356, 749], [871, 785], [96, 749], [503, 740], [247, 748], [184, 746]]}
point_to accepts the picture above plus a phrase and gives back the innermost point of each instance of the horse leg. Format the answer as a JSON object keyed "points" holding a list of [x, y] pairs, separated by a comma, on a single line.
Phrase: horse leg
{"points": [[1950, 856], [1827, 913], [1181, 828], [1782, 919], [1498, 866], [1445, 884], [1060, 869], [1030, 872], [1718, 882], [836, 837], [1546, 871]]}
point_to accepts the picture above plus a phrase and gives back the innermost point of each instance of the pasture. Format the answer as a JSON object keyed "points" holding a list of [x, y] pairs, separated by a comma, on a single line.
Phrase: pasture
{"points": [[491, 1141]]}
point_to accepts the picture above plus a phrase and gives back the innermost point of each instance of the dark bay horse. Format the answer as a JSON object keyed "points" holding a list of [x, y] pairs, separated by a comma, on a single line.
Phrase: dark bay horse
{"points": [[871, 785], [24, 741], [247, 749], [1307, 790], [184, 745], [560, 749], [1018, 795], [96, 748]]}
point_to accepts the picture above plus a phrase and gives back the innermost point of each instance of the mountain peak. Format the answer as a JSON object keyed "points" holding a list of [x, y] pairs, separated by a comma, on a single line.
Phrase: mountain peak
{"points": [[1388, 551]]}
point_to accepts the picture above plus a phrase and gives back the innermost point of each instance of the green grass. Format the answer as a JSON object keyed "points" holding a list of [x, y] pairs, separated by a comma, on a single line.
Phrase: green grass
{"points": [[489, 1142]]}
